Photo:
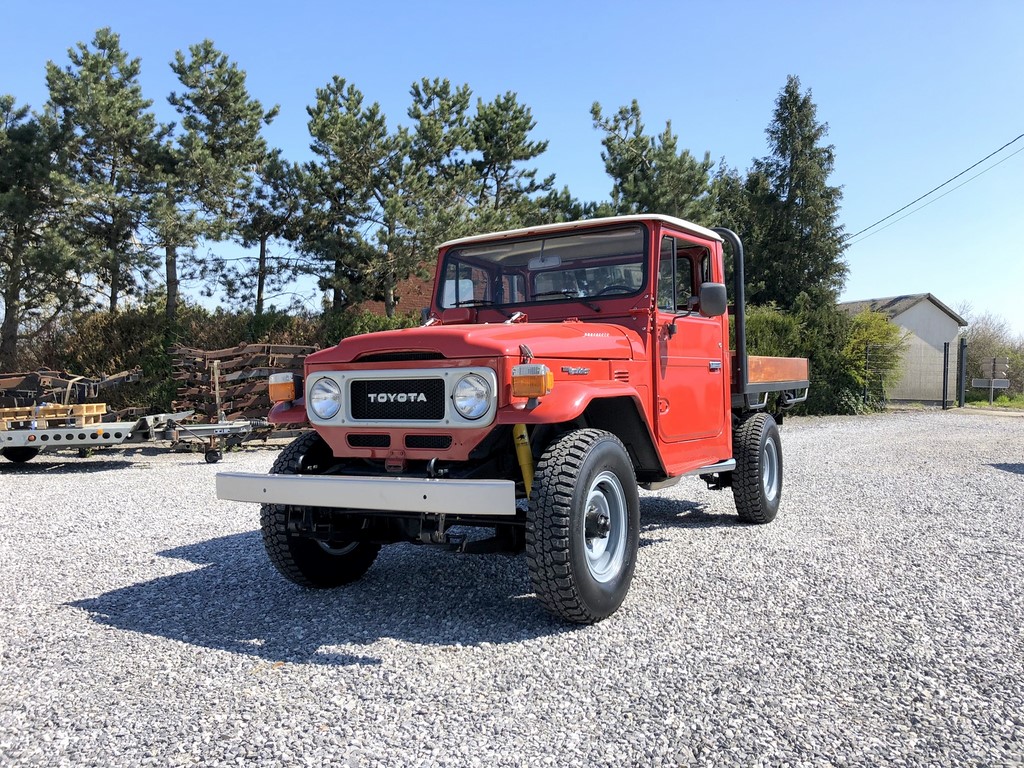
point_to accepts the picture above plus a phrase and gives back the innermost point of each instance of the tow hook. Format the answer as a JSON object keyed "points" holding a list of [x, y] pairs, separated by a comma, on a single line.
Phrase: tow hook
{"points": [[433, 471]]}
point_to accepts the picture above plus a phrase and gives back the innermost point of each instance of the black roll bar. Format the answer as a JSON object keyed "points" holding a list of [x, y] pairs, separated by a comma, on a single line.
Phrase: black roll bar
{"points": [[739, 309]]}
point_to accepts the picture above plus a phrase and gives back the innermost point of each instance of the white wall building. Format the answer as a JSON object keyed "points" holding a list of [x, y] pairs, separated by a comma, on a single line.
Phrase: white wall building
{"points": [[929, 324]]}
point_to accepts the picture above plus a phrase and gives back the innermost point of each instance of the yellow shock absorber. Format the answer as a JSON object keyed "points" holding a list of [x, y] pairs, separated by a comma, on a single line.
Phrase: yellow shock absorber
{"points": [[524, 454]]}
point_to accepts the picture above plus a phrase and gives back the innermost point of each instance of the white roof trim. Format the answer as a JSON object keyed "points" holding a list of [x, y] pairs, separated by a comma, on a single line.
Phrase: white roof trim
{"points": [[570, 226]]}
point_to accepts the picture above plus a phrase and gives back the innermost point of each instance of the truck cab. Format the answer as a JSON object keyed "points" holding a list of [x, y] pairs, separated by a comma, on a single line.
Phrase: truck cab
{"points": [[559, 368]]}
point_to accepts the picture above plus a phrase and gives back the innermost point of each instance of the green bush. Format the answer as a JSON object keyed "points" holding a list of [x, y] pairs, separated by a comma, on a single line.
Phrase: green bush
{"points": [[335, 327]]}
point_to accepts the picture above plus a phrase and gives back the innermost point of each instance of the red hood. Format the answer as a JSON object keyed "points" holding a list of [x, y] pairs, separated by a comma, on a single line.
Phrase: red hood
{"points": [[586, 341]]}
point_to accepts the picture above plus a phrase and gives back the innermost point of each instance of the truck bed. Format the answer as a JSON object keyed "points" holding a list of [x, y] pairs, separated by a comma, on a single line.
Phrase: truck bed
{"points": [[770, 374]]}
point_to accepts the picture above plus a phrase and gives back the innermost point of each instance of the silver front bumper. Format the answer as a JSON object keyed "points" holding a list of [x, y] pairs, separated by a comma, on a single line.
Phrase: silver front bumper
{"points": [[383, 494]]}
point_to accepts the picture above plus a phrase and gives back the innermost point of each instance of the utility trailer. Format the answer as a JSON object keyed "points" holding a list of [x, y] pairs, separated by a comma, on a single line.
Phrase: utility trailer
{"points": [[26, 432]]}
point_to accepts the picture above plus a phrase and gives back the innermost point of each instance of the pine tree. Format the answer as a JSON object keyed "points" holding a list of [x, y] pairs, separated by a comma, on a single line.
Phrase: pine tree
{"points": [[357, 157], [112, 153], [382, 197], [38, 271], [213, 164], [650, 174], [506, 193], [794, 241], [271, 211]]}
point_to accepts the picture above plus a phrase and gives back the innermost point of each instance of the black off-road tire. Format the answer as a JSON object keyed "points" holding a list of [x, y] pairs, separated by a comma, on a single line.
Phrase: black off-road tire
{"points": [[757, 479], [20, 454], [300, 559], [579, 575]]}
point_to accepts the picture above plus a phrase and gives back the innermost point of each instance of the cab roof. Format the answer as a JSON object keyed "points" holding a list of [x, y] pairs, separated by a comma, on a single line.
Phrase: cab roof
{"points": [[574, 226]]}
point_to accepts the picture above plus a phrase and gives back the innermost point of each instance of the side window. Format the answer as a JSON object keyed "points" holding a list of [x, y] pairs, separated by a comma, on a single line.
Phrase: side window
{"points": [[684, 282], [667, 275], [675, 275]]}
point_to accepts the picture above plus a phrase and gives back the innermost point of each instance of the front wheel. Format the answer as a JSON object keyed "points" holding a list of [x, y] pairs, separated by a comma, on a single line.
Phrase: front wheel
{"points": [[306, 561], [583, 526], [757, 479]]}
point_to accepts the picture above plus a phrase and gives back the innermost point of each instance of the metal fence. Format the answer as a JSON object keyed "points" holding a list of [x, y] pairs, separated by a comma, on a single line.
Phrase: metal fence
{"points": [[923, 373]]}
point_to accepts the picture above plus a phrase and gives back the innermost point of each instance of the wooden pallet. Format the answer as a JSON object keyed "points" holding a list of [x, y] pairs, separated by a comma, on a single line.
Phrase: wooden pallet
{"points": [[49, 416]]}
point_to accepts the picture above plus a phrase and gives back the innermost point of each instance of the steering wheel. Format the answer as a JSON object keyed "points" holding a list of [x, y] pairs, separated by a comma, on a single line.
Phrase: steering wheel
{"points": [[618, 288]]}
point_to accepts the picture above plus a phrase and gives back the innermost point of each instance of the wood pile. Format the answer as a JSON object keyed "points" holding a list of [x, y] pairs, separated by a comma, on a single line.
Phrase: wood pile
{"points": [[230, 384]]}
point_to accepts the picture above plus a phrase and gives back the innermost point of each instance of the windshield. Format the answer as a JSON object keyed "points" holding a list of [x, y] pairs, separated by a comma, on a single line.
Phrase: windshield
{"points": [[587, 265]]}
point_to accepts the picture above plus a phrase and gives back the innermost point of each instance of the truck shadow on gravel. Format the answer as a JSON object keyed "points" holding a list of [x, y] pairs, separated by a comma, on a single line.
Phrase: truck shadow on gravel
{"points": [[1017, 469], [658, 513], [237, 602]]}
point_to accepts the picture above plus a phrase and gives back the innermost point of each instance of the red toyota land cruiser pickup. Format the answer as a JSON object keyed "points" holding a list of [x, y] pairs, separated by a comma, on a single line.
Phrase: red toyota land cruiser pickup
{"points": [[560, 368]]}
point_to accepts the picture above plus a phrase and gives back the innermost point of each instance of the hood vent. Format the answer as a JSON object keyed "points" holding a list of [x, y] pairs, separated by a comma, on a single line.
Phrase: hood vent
{"points": [[621, 375], [397, 357]]}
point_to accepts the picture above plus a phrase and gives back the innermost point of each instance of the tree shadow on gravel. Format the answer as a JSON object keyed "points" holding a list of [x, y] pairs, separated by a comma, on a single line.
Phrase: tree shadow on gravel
{"points": [[1017, 469], [237, 602], [659, 513]]}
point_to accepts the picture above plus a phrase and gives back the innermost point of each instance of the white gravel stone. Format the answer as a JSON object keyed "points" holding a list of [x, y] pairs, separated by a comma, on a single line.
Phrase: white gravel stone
{"points": [[876, 621]]}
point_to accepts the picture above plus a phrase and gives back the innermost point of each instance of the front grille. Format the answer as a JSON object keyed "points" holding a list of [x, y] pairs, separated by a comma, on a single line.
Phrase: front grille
{"points": [[397, 399], [429, 442], [369, 441]]}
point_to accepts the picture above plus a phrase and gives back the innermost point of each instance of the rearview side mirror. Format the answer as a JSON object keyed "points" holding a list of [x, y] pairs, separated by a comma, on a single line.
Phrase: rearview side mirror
{"points": [[713, 299]]}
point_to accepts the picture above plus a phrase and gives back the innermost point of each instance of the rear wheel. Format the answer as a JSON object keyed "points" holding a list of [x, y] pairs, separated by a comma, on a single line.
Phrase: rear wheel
{"points": [[757, 479], [301, 559], [583, 526], [20, 454]]}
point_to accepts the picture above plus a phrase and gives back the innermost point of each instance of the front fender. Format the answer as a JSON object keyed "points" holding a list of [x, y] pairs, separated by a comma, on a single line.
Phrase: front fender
{"points": [[289, 412], [567, 401]]}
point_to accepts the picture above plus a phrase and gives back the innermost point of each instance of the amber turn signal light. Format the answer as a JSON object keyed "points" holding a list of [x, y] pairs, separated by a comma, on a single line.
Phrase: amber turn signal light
{"points": [[532, 380], [283, 387]]}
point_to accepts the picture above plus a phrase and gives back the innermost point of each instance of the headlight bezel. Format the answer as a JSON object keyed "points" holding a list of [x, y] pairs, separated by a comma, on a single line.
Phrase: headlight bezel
{"points": [[335, 393], [479, 394]]}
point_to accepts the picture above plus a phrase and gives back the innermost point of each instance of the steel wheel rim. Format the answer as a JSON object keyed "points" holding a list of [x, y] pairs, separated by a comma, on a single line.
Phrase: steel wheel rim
{"points": [[605, 554], [770, 470]]}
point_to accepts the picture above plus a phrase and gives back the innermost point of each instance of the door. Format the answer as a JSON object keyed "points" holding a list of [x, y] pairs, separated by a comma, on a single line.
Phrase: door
{"points": [[691, 377]]}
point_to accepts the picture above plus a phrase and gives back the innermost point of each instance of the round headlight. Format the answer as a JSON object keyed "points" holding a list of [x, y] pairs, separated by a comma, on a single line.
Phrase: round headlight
{"points": [[472, 396], [325, 398]]}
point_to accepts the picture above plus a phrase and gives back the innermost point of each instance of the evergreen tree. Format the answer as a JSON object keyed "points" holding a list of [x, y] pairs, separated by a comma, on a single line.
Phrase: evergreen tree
{"points": [[112, 156], [213, 166], [270, 212], [650, 174], [382, 197], [793, 239], [506, 192], [439, 169], [358, 162], [38, 271]]}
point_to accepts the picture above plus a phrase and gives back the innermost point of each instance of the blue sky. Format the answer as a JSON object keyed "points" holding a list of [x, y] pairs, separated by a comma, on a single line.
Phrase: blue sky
{"points": [[913, 92]]}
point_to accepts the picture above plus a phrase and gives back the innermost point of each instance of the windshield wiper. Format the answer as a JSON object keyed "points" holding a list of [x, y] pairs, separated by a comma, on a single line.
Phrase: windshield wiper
{"points": [[570, 294], [481, 303], [474, 303]]}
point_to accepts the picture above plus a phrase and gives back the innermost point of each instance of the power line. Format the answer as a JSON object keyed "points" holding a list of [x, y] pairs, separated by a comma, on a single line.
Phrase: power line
{"points": [[954, 189], [936, 189]]}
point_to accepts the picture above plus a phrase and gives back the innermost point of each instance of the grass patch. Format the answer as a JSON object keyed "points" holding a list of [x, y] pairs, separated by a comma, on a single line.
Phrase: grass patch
{"points": [[1011, 402]]}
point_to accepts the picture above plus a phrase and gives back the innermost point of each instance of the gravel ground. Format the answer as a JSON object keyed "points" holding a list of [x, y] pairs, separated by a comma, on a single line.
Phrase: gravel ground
{"points": [[878, 620]]}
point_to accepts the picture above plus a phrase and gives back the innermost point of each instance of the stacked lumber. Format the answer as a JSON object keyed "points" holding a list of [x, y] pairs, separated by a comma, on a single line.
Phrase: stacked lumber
{"points": [[229, 384], [46, 386]]}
